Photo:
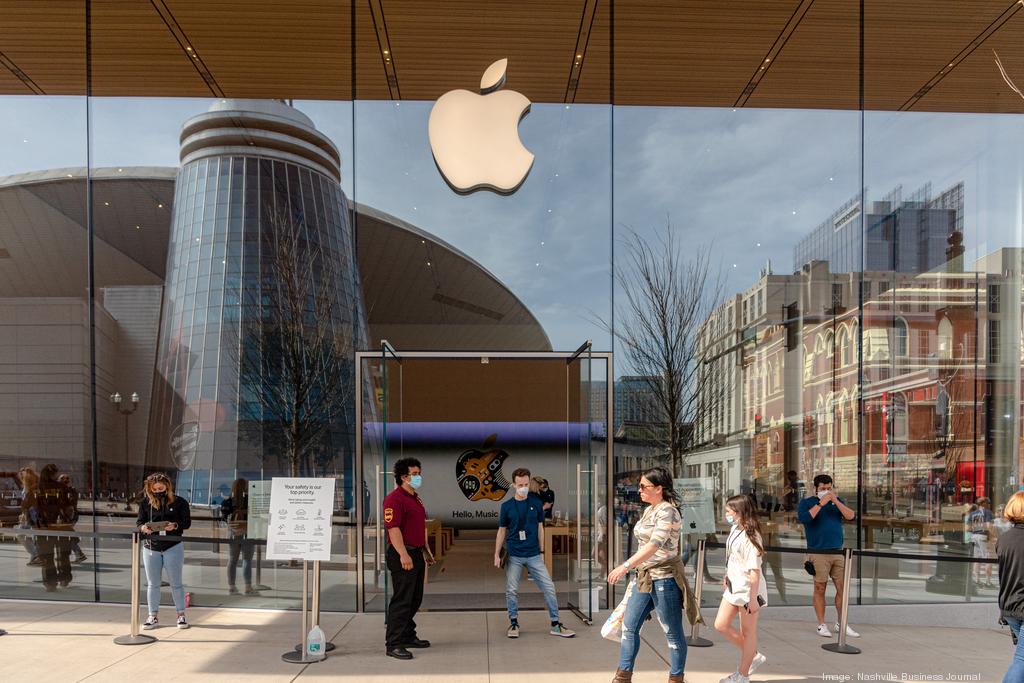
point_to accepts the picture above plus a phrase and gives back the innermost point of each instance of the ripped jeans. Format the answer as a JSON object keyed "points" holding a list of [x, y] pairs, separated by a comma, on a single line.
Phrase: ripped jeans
{"points": [[666, 600]]}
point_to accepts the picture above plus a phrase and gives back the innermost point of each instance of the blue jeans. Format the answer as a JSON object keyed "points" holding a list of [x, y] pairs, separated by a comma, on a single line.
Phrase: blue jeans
{"points": [[539, 574], [667, 600], [1015, 674], [171, 560]]}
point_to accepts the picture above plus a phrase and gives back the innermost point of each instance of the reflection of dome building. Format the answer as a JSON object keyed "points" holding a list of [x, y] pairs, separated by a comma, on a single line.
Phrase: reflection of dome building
{"points": [[454, 303]]}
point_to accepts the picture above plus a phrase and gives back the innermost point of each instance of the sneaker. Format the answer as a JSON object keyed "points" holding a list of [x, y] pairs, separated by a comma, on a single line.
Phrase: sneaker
{"points": [[34, 562], [513, 631], [182, 623], [759, 659], [824, 632], [561, 631], [151, 623], [731, 678], [849, 631], [249, 590], [232, 590]]}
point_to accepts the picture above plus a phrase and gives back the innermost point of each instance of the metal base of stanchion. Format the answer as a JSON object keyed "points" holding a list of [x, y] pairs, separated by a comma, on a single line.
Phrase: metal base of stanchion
{"points": [[295, 657], [843, 649], [3, 632], [697, 641], [328, 647], [134, 640]]}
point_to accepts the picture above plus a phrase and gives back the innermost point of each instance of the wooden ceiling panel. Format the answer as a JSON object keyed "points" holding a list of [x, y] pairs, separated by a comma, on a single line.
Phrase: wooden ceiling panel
{"points": [[452, 44], [45, 41], [297, 49], [907, 43], [693, 52], [134, 54], [817, 63], [975, 84], [371, 79], [595, 77]]}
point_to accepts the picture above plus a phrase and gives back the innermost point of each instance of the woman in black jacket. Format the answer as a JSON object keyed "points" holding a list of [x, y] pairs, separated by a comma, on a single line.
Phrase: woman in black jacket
{"points": [[235, 511], [162, 519], [1010, 553]]}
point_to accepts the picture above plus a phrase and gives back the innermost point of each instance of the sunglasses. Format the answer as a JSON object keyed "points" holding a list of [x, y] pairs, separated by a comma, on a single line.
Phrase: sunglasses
{"points": [[645, 487], [158, 478]]}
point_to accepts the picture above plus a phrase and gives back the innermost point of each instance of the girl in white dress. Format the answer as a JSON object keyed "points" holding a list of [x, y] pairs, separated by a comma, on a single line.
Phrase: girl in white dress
{"points": [[744, 588]]}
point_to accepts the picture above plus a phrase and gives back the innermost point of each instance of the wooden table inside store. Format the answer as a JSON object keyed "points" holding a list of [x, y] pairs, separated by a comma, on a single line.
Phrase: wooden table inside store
{"points": [[434, 538], [564, 530]]}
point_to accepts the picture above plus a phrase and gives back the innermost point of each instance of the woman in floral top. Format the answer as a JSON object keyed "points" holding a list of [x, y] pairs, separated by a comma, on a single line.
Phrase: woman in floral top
{"points": [[657, 534]]}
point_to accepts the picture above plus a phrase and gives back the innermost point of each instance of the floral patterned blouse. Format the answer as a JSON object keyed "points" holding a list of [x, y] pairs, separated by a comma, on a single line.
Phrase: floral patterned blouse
{"points": [[660, 524]]}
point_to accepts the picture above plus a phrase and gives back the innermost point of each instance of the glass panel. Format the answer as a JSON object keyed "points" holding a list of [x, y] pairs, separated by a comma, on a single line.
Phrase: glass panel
{"points": [[47, 478], [582, 567], [942, 304], [375, 480]]}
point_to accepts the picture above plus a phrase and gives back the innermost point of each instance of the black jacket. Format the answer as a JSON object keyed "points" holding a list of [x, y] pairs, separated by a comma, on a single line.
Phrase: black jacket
{"points": [[1010, 550], [177, 512]]}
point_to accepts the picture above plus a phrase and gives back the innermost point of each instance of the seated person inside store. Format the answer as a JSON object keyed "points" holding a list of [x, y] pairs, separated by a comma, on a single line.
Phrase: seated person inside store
{"points": [[521, 524]]}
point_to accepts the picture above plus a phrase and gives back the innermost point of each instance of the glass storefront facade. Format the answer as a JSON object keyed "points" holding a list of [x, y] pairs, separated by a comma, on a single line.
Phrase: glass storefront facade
{"points": [[837, 192]]}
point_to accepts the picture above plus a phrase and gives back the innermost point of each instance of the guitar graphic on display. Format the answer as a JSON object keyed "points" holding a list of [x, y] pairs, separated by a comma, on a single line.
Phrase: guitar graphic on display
{"points": [[479, 472]]}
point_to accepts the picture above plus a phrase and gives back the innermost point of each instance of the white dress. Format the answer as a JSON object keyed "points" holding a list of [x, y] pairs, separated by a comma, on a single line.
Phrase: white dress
{"points": [[740, 557]]}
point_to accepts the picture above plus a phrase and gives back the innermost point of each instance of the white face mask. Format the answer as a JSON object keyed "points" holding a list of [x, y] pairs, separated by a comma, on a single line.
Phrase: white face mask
{"points": [[522, 491], [821, 494]]}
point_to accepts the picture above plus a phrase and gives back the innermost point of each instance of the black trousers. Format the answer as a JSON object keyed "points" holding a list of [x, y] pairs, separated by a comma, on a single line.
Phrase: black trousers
{"points": [[406, 596]]}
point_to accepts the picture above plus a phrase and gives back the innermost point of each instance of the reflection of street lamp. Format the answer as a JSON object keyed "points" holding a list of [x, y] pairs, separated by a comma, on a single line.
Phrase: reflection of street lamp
{"points": [[116, 400]]}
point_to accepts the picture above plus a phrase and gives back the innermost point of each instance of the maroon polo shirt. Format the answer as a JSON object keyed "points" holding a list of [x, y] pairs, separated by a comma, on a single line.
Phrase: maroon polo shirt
{"points": [[405, 511]]}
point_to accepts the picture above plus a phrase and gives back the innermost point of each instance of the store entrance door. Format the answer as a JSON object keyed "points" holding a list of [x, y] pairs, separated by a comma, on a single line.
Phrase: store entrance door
{"points": [[471, 419]]}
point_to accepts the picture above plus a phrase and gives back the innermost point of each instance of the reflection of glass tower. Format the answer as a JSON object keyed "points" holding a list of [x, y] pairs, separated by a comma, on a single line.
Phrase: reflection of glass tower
{"points": [[251, 170]]}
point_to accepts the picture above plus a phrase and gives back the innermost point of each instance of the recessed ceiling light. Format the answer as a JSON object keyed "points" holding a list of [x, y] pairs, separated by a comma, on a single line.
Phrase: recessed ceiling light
{"points": [[25, 140], [159, 206], [138, 227], [189, 49], [106, 203], [120, 170], [428, 263], [385, 51]]}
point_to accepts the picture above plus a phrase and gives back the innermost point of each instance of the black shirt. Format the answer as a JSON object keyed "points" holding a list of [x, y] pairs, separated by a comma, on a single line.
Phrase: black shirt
{"points": [[1010, 552], [177, 512], [547, 497]]}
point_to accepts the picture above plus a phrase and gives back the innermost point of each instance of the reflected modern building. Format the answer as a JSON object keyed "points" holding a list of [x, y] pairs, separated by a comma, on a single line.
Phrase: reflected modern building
{"points": [[261, 260]]}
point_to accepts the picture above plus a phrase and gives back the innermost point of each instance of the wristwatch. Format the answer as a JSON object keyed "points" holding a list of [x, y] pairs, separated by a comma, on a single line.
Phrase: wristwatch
{"points": [[626, 564]]}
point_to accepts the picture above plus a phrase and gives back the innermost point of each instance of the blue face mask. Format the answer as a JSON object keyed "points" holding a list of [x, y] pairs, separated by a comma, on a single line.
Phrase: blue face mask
{"points": [[729, 519], [416, 481]]}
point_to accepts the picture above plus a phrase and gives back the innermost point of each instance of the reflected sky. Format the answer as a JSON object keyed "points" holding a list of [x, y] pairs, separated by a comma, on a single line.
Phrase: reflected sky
{"points": [[749, 182]]}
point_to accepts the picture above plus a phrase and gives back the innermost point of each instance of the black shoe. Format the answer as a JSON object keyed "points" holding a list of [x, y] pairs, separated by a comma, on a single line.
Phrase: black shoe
{"points": [[418, 643], [399, 653]]}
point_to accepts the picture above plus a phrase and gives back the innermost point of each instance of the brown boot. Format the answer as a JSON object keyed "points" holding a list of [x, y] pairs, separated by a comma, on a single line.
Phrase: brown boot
{"points": [[675, 678], [622, 676]]}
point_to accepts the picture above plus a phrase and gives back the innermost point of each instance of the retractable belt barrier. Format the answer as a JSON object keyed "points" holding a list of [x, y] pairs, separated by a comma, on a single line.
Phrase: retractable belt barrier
{"points": [[840, 646]]}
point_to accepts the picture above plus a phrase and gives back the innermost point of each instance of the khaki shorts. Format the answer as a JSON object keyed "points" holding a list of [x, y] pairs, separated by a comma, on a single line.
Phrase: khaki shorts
{"points": [[827, 566]]}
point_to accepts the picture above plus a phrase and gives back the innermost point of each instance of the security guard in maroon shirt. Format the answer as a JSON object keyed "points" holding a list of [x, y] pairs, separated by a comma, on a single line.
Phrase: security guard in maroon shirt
{"points": [[406, 521]]}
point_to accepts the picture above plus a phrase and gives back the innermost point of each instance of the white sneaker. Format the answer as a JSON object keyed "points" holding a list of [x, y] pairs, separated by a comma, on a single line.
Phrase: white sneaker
{"points": [[731, 678], [849, 631], [513, 631], [823, 631], [151, 623], [182, 622], [759, 659]]}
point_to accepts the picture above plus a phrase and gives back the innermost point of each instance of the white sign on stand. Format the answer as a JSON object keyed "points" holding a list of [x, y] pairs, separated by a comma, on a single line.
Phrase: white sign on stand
{"points": [[300, 518], [696, 504]]}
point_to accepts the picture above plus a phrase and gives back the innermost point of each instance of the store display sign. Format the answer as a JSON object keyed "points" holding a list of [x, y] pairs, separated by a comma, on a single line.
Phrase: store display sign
{"points": [[299, 527], [696, 502]]}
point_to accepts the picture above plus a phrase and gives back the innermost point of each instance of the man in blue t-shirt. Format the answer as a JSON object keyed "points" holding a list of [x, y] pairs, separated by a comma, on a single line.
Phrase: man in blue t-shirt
{"points": [[521, 523], [823, 515]]}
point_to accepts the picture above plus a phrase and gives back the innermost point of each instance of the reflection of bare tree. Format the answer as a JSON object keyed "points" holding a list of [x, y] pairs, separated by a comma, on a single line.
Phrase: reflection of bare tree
{"points": [[295, 364], [669, 291]]}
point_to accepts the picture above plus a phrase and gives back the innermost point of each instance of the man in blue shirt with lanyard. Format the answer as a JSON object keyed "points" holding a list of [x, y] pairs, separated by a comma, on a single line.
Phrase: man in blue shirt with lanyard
{"points": [[522, 522]]}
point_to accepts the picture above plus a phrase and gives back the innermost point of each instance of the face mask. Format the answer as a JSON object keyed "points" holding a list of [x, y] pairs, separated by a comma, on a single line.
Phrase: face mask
{"points": [[729, 519], [416, 481], [821, 494], [161, 494], [523, 491]]}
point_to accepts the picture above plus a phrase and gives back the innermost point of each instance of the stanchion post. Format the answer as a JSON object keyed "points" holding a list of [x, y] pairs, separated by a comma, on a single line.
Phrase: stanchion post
{"points": [[135, 638], [315, 621], [694, 639], [259, 569], [298, 655], [841, 645]]}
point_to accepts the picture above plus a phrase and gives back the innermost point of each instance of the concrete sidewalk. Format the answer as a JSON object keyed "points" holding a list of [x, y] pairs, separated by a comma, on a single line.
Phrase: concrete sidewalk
{"points": [[62, 642]]}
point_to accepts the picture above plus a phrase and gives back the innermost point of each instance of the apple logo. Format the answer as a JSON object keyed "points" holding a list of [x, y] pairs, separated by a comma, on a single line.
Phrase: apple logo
{"points": [[478, 472], [475, 138]]}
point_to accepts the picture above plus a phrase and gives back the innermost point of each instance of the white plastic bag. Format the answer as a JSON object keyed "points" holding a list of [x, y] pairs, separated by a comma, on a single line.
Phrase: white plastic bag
{"points": [[612, 629]]}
